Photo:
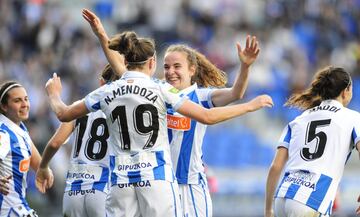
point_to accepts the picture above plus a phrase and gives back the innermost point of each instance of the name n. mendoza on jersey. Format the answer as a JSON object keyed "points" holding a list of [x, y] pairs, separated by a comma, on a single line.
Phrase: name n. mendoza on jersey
{"points": [[136, 115]]}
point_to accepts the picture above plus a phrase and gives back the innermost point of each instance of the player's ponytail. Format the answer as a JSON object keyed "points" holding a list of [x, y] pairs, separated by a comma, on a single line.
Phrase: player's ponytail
{"points": [[206, 73], [135, 50], [108, 74], [328, 83]]}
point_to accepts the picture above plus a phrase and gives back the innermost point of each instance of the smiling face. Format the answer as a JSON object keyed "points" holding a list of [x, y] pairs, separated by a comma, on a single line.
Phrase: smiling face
{"points": [[17, 106], [177, 70]]}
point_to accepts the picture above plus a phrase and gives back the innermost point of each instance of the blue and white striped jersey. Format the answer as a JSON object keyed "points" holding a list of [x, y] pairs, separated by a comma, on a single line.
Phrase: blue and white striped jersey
{"points": [[186, 137], [319, 142], [135, 110], [89, 161], [15, 153]]}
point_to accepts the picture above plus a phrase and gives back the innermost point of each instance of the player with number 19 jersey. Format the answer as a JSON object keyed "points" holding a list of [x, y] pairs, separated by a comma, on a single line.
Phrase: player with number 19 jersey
{"points": [[89, 161], [319, 142], [136, 115]]}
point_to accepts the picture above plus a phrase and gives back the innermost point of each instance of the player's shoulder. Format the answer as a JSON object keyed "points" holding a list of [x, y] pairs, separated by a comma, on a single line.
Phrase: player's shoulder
{"points": [[158, 81]]}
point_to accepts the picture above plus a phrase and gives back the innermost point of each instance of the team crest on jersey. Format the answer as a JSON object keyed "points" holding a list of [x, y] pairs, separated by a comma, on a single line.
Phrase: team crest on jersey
{"points": [[178, 122], [24, 165], [174, 90]]}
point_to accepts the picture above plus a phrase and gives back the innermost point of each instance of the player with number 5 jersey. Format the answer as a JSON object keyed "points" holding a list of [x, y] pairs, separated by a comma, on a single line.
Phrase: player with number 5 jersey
{"points": [[142, 178], [314, 148], [88, 176]]}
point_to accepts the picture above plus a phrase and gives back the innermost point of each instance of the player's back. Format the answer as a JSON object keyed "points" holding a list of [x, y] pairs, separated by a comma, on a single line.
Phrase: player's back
{"points": [[136, 115], [321, 138], [89, 159], [319, 142]]}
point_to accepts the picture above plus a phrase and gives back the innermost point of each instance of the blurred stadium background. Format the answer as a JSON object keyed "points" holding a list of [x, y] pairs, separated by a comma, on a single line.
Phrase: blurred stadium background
{"points": [[297, 37]]}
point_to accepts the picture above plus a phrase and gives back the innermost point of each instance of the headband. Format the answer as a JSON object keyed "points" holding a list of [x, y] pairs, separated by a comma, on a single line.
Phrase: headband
{"points": [[7, 90], [141, 62]]}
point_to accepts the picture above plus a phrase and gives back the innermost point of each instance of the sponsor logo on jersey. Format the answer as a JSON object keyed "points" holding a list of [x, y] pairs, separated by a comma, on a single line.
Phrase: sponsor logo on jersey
{"points": [[136, 166], [136, 184], [174, 90], [81, 192], [80, 176], [302, 179], [24, 165], [178, 122]]}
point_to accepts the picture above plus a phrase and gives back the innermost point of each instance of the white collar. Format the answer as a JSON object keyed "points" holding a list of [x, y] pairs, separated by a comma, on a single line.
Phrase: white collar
{"points": [[134, 74], [188, 89], [331, 102]]}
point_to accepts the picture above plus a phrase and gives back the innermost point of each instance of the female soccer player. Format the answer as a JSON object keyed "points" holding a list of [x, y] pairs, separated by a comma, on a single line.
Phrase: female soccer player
{"points": [[195, 76], [17, 151], [192, 73], [88, 175], [135, 107], [314, 148]]}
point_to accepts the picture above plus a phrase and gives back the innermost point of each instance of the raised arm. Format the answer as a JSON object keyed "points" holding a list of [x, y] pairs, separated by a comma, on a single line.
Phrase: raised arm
{"points": [[275, 170], [115, 59], [247, 56], [219, 114], [44, 178], [62, 111]]}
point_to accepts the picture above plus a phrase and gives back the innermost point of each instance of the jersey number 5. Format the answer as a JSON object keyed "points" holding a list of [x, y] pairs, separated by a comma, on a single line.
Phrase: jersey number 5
{"points": [[320, 137]]}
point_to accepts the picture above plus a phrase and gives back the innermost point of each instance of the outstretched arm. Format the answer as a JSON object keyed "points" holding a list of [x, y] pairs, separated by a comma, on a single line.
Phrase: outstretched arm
{"points": [[247, 56], [272, 179], [219, 114], [44, 177], [62, 111], [115, 59]]}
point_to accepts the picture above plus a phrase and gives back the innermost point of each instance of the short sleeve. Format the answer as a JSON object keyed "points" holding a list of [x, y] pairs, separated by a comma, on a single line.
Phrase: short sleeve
{"points": [[93, 99], [204, 96], [171, 96], [285, 137], [4, 144]]}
